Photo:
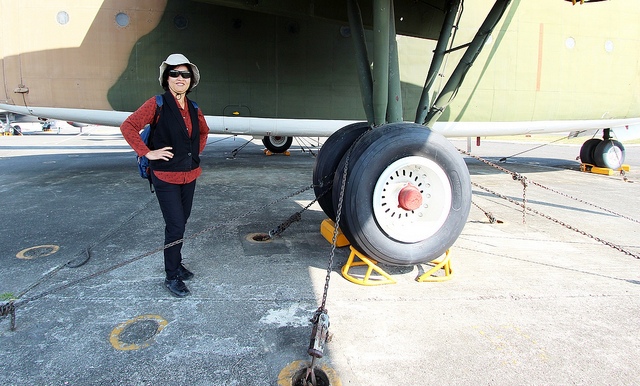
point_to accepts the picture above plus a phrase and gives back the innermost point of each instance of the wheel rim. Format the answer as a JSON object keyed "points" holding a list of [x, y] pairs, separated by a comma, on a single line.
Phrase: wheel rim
{"points": [[412, 225], [613, 157], [278, 140]]}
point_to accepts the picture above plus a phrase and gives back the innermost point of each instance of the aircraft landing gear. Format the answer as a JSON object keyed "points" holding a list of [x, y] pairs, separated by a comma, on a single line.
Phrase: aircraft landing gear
{"points": [[277, 143], [407, 193], [329, 156], [603, 153], [609, 154]]}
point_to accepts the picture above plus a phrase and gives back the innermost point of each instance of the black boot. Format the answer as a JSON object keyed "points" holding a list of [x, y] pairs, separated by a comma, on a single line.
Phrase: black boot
{"points": [[177, 287], [183, 273]]}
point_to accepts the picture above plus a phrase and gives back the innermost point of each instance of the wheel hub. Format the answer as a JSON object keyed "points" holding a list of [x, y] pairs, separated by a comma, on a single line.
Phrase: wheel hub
{"points": [[411, 199]]}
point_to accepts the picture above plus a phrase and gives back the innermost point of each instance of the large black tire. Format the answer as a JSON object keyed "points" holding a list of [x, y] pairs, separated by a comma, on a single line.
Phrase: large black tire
{"points": [[587, 151], [277, 143], [380, 163], [609, 154], [329, 156]]}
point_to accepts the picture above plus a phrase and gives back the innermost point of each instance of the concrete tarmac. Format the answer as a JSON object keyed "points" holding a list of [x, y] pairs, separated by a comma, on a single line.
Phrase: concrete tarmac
{"points": [[551, 299]]}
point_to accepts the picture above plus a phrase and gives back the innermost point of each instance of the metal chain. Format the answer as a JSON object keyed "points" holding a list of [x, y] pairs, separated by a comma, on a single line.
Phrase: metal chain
{"points": [[523, 180], [233, 220], [334, 239], [519, 177], [83, 256], [320, 319], [488, 163], [235, 151], [514, 175], [321, 315], [524, 200], [598, 239], [306, 145], [10, 307], [490, 216], [293, 218], [585, 202], [624, 175], [282, 227]]}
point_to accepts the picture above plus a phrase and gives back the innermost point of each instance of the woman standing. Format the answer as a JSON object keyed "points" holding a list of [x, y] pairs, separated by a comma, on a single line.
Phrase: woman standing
{"points": [[179, 136]]}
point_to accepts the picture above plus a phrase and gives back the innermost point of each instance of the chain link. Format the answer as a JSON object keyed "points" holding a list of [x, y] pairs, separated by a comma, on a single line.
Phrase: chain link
{"points": [[519, 177], [334, 239], [322, 310], [490, 216], [233, 220], [585, 202], [293, 218], [10, 307], [525, 183], [598, 239]]}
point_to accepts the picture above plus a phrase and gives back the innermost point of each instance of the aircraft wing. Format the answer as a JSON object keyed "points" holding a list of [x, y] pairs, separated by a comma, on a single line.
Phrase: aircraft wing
{"points": [[217, 124], [323, 128], [10, 117], [482, 129], [97, 117]]}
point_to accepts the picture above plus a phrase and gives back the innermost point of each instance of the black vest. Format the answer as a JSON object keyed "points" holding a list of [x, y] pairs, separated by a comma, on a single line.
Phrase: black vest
{"points": [[171, 131]]}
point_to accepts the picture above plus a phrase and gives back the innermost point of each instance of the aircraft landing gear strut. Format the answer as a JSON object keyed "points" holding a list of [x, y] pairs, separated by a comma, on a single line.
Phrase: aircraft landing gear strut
{"points": [[603, 153]]}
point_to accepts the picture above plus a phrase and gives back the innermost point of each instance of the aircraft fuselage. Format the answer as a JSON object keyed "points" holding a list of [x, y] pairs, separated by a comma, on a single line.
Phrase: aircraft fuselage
{"points": [[545, 61]]}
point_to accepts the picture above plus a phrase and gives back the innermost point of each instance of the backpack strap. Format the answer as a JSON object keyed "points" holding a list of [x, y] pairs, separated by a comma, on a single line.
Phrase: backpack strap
{"points": [[154, 122], [156, 116], [159, 102]]}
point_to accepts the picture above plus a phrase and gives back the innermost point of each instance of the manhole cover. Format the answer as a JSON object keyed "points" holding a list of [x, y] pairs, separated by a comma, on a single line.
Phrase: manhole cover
{"points": [[137, 333], [258, 238], [295, 374], [300, 379], [38, 251]]}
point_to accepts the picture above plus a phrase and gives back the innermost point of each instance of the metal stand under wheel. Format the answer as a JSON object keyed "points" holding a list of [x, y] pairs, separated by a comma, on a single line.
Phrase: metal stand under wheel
{"points": [[380, 277]]}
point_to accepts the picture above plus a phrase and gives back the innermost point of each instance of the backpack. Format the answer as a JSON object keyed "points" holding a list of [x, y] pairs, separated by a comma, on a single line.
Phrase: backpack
{"points": [[146, 134]]}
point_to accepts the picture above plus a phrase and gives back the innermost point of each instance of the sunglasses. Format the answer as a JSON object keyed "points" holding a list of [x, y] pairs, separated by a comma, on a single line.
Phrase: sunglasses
{"points": [[176, 73]]}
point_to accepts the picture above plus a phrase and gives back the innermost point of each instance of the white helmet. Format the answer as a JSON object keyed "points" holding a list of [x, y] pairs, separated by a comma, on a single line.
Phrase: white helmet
{"points": [[176, 60]]}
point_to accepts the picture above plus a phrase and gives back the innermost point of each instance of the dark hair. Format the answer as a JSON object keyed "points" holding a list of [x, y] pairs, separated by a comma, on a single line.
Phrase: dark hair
{"points": [[165, 76]]}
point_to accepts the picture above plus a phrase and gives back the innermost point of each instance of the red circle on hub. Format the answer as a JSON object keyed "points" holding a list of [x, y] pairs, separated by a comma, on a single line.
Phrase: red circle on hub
{"points": [[409, 198]]}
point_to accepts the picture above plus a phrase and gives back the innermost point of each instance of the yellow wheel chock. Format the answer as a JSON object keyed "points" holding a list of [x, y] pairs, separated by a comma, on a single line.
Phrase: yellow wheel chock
{"points": [[269, 152], [606, 171], [327, 229], [383, 277], [444, 264]]}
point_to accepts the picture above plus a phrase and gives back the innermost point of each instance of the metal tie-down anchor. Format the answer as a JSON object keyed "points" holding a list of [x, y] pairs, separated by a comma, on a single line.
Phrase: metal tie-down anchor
{"points": [[319, 337]]}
